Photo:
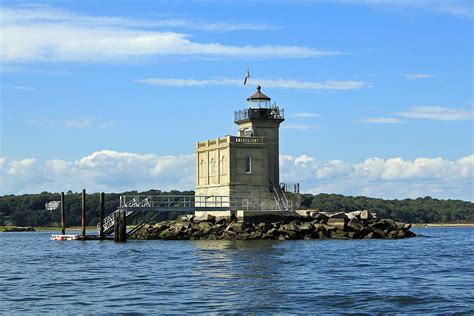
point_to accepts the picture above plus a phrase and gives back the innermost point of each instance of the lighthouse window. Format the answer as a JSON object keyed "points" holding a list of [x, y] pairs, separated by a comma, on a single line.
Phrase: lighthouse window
{"points": [[222, 165], [213, 167], [248, 132], [248, 164], [202, 169]]}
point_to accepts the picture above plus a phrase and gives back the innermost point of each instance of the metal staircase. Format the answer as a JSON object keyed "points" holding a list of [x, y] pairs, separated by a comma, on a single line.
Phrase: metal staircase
{"points": [[280, 199], [109, 221]]}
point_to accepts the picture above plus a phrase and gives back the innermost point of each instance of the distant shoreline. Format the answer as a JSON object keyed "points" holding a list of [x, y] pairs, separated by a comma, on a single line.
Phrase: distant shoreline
{"points": [[94, 228], [445, 225]]}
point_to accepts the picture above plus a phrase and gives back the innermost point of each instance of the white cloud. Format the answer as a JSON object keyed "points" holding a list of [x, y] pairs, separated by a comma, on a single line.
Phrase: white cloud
{"points": [[78, 123], [20, 167], [113, 171], [332, 169], [70, 123], [267, 83], [298, 126], [87, 123], [105, 170], [385, 178], [24, 88], [32, 14], [382, 120], [58, 36], [437, 113], [303, 160], [417, 76], [306, 115], [458, 8], [41, 122]]}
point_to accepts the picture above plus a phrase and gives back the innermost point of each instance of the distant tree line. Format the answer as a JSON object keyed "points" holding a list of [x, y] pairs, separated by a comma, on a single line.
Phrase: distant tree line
{"points": [[29, 209], [419, 210]]}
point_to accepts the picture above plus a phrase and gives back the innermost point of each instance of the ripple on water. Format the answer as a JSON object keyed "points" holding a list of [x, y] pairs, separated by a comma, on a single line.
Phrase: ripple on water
{"points": [[420, 275]]}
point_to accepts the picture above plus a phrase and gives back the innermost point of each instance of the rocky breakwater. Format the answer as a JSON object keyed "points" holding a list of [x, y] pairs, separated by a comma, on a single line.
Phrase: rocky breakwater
{"points": [[354, 225]]}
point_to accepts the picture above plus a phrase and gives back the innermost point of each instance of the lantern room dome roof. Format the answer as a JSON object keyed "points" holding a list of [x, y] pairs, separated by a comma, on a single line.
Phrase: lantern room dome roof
{"points": [[258, 96]]}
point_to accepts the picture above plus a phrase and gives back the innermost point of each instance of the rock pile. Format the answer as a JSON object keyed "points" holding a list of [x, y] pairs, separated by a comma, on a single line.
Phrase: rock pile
{"points": [[354, 225]]}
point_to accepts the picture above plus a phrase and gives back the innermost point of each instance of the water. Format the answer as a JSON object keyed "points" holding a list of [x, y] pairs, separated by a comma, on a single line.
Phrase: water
{"points": [[417, 275]]}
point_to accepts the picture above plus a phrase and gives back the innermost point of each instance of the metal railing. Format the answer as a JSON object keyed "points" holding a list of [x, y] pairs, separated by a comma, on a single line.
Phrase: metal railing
{"points": [[273, 113], [248, 140], [290, 187], [137, 203], [192, 202]]}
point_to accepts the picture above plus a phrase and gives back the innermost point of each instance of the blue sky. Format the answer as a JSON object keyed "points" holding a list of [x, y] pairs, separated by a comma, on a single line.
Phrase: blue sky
{"points": [[113, 95]]}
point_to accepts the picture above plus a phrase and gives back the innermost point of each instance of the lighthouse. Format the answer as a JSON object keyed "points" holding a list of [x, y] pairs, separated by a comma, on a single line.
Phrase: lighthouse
{"points": [[245, 168]]}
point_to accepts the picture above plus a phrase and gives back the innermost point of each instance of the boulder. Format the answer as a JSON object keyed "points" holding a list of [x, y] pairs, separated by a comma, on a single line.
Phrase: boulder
{"points": [[354, 214], [220, 220], [242, 236], [338, 222], [237, 227], [365, 215], [161, 226], [182, 226], [323, 234], [338, 234], [204, 218], [378, 233], [166, 234], [306, 227], [396, 234], [353, 235], [320, 217], [399, 225], [364, 231], [380, 225], [229, 233], [292, 234], [204, 225], [327, 228], [406, 227], [355, 224], [290, 226], [276, 224], [255, 235], [369, 236], [390, 224]]}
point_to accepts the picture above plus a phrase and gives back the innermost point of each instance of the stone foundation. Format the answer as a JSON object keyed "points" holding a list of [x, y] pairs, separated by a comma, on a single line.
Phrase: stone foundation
{"points": [[354, 225]]}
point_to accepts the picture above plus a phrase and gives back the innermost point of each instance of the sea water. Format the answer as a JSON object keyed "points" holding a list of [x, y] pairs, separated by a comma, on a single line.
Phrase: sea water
{"points": [[433, 274]]}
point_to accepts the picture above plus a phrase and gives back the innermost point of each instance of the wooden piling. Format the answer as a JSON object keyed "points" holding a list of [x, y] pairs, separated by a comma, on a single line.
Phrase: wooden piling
{"points": [[63, 224], [101, 214], [83, 225], [120, 226]]}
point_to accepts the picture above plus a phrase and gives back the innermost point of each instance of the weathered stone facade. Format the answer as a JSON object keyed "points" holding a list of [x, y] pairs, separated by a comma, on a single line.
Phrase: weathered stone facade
{"points": [[243, 167]]}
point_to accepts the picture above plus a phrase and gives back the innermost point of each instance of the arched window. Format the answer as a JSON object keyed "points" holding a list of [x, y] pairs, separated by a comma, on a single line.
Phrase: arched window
{"points": [[222, 165], [202, 168], [213, 167], [248, 164]]}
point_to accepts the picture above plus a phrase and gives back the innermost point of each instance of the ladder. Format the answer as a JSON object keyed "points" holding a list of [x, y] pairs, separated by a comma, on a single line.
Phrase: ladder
{"points": [[109, 221], [280, 199]]}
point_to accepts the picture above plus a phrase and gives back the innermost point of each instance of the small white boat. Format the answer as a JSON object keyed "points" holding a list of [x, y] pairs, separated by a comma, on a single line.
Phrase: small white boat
{"points": [[64, 237]]}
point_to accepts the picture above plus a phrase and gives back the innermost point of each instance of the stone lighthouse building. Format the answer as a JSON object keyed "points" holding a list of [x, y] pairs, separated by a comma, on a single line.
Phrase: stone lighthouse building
{"points": [[242, 171]]}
